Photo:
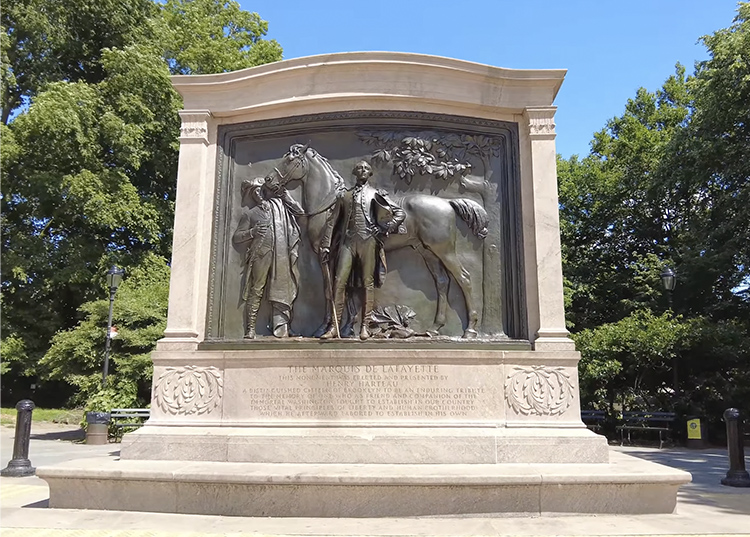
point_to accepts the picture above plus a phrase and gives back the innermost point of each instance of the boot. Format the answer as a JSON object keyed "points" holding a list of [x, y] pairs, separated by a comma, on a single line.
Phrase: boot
{"points": [[251, 313], [280, 320], [364, 332], [281, 331], [347, 329], [330, 333]]}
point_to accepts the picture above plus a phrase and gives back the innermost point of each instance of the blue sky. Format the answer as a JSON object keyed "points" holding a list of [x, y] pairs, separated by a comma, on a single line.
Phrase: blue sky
{"points": [[610, 48]]}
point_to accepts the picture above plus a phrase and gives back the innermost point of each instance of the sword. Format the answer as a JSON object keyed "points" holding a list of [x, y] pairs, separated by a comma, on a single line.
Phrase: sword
{"points": [[333, 300]]}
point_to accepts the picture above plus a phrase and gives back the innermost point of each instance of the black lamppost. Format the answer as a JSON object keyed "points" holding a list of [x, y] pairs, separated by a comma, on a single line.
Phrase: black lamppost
{"points": [[669, 280], [114, 277]]}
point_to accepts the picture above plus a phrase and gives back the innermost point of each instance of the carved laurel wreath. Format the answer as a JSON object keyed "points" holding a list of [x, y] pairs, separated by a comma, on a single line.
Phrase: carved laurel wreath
{"points": [[189, 390], [539, 390]]}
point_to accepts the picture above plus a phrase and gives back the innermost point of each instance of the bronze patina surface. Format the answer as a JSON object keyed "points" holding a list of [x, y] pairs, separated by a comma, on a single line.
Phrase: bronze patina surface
{"points": [[314, 212]]}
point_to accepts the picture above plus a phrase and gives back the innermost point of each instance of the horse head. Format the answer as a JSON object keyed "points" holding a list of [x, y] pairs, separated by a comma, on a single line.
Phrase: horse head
{"points": [[321, 183], [295, 164]]}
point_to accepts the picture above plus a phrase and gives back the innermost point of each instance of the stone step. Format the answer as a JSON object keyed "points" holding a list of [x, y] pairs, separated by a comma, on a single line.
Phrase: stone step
{"points": [[626, 485]]}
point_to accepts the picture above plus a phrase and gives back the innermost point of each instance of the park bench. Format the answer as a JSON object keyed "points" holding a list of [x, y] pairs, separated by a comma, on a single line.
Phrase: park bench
{"points": [[660, 422], [594, 419], [128, 417]]}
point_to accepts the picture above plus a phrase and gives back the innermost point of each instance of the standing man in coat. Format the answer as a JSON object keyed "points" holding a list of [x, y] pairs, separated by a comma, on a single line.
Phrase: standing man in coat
{"points": [[366, 216], [271, 235]]}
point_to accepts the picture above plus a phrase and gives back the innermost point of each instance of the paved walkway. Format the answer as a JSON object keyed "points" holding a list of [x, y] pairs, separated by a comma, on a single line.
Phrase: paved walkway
{"points": [[705, 507]]}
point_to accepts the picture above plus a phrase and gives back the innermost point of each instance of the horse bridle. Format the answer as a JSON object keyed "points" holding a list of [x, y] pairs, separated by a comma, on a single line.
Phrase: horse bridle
{"points": [[297, 164], [298, 161]]}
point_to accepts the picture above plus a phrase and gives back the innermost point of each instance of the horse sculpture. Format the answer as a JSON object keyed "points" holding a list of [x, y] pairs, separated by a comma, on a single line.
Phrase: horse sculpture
{"points": [[430, 229]]}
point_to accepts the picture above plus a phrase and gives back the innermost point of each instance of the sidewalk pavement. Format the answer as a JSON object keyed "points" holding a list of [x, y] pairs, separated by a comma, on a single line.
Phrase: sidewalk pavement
{"points": [[704, 507]]}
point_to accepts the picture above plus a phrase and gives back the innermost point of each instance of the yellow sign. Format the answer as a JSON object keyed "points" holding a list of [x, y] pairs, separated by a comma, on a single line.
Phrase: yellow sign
{"points": [[694, 429]]}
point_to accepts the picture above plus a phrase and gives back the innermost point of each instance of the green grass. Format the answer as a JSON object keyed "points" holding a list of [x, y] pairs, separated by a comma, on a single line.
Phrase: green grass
{"points": [[54, 415]]}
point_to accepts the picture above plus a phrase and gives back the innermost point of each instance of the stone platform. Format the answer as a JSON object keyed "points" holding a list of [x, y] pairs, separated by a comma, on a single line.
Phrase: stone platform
{"points": [[366, 445], [626, 485]]}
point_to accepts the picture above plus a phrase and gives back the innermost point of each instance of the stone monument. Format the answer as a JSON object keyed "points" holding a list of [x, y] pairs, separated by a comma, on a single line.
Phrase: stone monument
{"points": [[366, 306]]}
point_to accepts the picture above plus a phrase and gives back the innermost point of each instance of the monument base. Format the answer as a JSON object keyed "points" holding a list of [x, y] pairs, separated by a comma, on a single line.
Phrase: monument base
{"points": [[626, 485], [344, 429], [367, 445]]}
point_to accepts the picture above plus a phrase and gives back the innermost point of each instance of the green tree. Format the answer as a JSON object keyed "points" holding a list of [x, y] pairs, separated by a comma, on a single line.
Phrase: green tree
{"points": [[89, 150], [213, 36], [617, 218], [47, 41], [713, 364], [140, 313], [667, 182], [630, 361], [708, 167], [88, 180]]}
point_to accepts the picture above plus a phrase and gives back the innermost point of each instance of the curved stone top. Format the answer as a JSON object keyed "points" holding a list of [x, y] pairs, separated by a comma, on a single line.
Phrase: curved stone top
{"points": [[360, 79]]}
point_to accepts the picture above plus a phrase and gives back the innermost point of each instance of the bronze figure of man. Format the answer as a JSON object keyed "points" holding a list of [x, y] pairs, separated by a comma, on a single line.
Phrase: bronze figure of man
{"points": [[365, 215], [271, 234]]}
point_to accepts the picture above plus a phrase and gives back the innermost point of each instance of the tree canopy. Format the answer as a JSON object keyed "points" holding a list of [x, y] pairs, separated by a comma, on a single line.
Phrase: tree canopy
{"points": [[90, 140], [667, 183]]}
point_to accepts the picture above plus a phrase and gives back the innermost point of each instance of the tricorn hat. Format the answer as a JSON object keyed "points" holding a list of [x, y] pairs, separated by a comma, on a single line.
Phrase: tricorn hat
{"points": [[383, 211], [250, 184]]}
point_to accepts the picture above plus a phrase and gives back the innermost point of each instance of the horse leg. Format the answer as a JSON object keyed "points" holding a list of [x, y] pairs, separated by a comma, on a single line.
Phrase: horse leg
{"points": [[442, 281], [448, 256]]}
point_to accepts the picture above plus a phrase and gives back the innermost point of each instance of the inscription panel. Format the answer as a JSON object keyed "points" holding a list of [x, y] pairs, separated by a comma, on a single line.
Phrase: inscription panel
{"points": [[372, 392]]}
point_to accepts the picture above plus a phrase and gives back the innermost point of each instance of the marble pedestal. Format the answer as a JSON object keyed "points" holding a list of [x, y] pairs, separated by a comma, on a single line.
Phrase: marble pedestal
{"points": [[378, 403], [430, 426], [360, 445], [348, 430]]}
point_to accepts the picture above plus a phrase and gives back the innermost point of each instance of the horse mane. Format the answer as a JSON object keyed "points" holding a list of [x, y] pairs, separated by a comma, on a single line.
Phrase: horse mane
{"points": [[339, 181]]}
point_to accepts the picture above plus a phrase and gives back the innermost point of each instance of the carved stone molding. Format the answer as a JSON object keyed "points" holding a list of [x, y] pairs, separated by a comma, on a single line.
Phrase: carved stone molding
{"points": [[189, 390], [194, 125], [541, 122], [539, 390]]}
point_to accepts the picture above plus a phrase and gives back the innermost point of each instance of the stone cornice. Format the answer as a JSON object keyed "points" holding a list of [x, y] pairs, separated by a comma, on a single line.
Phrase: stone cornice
{"points": [[356, 76]]}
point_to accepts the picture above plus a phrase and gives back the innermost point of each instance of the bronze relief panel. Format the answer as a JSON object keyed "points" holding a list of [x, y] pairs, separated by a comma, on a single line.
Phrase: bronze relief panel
{"points": [[383, 225]]}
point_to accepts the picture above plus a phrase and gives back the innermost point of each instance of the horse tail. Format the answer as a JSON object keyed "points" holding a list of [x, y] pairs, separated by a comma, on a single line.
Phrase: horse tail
{"points": [[473, 214]]}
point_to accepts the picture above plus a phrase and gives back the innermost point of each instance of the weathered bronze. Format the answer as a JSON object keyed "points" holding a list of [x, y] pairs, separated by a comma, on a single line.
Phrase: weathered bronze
{"points": [[392, 322], [364, 217], [456, 261], [429, 228], [271, 235]]}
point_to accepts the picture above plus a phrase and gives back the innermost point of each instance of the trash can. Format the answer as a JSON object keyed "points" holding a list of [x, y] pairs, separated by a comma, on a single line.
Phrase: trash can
{"points": [[697, 434], [97, 427]]}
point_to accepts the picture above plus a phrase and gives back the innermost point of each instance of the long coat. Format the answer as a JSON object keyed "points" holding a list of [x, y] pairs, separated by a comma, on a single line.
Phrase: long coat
{"points": [[282, 238]]}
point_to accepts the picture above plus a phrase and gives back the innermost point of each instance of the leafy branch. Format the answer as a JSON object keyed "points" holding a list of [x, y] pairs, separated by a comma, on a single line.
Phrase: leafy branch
{"points": [[430, 153]]}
